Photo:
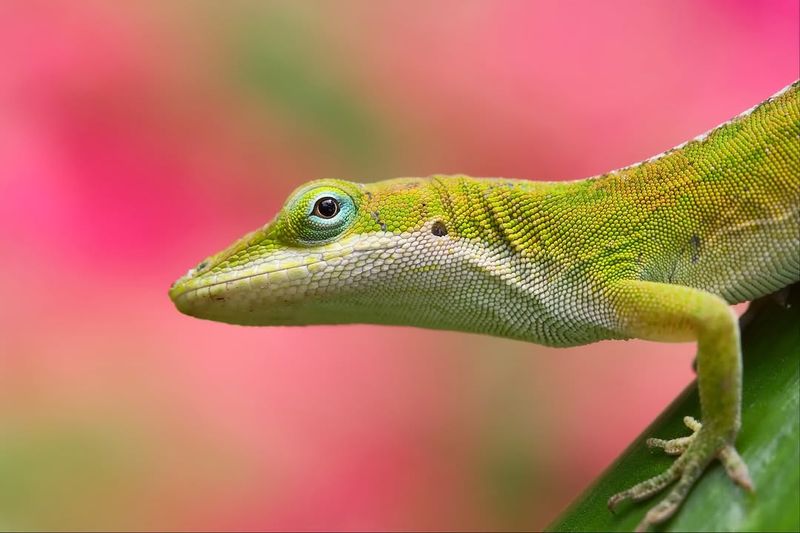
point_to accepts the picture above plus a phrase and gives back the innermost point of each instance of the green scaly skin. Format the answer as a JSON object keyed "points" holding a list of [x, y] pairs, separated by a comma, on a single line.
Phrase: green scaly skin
{"points": [[654, 251]]}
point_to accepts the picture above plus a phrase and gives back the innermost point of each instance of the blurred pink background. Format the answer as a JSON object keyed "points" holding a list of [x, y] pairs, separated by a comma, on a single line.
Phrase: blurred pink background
{"points": [[138, 137]]}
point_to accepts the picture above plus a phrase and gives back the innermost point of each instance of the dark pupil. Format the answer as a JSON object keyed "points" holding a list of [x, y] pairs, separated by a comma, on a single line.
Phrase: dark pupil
{"points": [[326, 207]]}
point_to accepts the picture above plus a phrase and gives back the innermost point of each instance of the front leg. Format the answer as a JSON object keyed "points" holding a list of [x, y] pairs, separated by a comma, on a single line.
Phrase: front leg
{"points": [[674, 313]]}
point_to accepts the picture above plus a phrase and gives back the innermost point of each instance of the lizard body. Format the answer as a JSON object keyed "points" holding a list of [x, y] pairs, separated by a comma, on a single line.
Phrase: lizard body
{"points": [[655, 250]]}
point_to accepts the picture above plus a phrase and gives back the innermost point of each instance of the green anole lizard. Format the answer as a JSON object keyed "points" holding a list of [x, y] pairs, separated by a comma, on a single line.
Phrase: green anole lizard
{"points": [[657, 250]]}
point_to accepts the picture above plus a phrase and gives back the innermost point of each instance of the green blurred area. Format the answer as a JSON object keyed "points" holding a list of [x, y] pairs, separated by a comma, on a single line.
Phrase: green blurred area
{"points": [[65, 474], [282, 57]]}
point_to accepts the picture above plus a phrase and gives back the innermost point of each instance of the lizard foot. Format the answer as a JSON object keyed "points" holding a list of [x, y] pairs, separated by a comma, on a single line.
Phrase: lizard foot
{"points": [[696, 451]]}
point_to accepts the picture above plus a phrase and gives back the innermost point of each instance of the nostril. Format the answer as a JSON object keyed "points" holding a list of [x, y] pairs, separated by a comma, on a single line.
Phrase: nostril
{"points": [[439, 228], [202, 265]]}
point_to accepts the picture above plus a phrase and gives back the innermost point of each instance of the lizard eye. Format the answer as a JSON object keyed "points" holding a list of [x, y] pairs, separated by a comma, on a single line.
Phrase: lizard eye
{"points": [[320, 214], [326, 208]]}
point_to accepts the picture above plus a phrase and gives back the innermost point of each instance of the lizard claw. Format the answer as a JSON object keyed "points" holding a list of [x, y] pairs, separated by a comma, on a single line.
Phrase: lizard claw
{"points": [[678, 445]]}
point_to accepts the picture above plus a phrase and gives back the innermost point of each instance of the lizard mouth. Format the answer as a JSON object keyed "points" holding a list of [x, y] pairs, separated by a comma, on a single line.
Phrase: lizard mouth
{"points": [[273, 282], [189, 285], [207, 275]]}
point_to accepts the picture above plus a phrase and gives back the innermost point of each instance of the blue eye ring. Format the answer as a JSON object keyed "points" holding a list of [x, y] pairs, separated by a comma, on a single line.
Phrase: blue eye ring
{"points": [[328, 213]]}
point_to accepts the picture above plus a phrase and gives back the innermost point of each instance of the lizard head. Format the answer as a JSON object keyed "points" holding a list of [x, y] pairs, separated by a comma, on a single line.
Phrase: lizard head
{"points": [[338, 252]]}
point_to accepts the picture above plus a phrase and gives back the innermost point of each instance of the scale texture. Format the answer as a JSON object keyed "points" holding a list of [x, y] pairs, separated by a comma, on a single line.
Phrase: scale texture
{"points": [[656, 251], [523, 259]]}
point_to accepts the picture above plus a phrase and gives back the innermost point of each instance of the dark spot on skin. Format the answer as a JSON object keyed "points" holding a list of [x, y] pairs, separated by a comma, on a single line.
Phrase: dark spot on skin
{"points": [[202, 265], [377, 217], [695, 243], [219, 298], [671, 276], [439, 229]]}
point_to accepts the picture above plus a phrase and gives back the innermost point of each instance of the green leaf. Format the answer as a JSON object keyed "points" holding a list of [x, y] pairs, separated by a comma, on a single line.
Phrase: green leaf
{"points": [[769, 442]]}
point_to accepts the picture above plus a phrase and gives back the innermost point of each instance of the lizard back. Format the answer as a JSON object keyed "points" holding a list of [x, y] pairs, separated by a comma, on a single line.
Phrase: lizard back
{"points": [[721, 212]]}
